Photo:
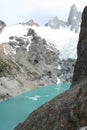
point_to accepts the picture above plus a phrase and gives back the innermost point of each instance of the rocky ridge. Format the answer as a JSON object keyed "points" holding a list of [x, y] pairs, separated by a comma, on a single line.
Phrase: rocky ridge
{"points": [[68, 111], [26, 63], [73, 21], [31, 23]]}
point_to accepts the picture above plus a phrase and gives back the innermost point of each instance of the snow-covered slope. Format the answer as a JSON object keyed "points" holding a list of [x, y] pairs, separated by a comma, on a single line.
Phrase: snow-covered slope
{"points": [[64, 39]]}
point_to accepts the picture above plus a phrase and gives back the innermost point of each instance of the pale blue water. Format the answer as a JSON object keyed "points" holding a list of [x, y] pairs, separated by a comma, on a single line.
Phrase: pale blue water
{"points": [[16, 110]]}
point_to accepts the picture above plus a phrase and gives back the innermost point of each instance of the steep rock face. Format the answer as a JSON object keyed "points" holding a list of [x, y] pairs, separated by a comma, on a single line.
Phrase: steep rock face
{"points": [[74, 18], [26, 62], [67, 111], [80, 71], [2, 25]]}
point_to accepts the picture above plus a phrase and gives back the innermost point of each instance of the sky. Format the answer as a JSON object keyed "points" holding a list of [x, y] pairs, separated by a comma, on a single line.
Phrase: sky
{"points": [[17, 11]]}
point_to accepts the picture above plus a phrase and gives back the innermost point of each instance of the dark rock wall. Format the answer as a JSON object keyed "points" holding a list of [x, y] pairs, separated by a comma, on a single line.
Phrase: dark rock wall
{"points": [[80, 71]]}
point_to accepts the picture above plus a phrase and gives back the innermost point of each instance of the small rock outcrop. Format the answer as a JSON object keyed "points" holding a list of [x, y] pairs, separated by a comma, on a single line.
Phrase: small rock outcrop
{"points": [[2, 25], [68, 111], [31, 23], [55, 23]]}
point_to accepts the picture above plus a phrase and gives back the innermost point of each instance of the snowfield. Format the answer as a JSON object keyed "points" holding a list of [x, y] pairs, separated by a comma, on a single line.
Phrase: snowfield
{"points": [[63, 39]]}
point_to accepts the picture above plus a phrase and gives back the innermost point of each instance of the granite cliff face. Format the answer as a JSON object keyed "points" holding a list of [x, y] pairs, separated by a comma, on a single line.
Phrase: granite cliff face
{"points": [[26, 63], [67, 111], [74, 18]]}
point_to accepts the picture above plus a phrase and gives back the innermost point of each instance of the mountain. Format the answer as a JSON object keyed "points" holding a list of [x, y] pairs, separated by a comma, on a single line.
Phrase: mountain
{"points": [[26, 61], [73, 21], [67, 111], [33, 56], [30, 61]]}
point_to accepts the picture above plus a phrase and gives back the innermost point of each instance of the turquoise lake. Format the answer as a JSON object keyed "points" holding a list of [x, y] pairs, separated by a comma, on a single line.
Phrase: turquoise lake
{"points": [[17, 109]]}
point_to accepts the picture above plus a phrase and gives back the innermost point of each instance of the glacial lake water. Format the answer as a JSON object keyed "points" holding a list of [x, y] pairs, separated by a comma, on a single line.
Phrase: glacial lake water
{"points": [[17, 109]]}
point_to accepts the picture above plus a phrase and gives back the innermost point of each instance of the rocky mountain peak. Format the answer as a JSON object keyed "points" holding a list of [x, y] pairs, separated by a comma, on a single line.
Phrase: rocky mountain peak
{"points": [[74, 20], [73, 14]]}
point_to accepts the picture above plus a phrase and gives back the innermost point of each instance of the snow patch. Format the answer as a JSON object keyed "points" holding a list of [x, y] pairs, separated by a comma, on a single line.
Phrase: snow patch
{"points": [[16, 30], [58, 81], [64, 39], [30, 38], [83, 128], [59, 67]]}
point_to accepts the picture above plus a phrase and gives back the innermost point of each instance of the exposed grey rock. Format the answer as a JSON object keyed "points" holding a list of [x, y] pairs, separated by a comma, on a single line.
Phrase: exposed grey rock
{"points": [[29, 62], [31, 23], [55, 23], [65, 70], [2, 25], [73, 14], [73, 21], [74, 18]]}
